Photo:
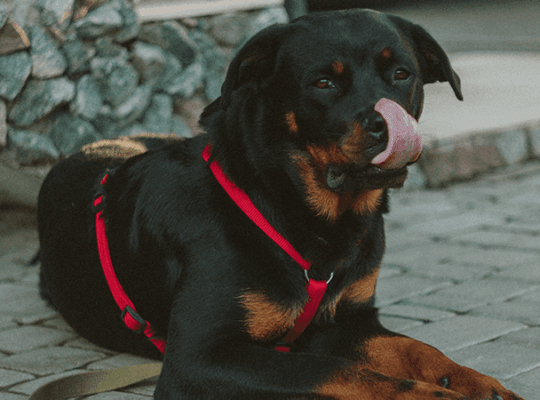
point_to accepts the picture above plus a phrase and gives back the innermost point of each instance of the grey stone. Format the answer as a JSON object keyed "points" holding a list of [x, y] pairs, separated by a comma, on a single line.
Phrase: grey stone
{"points": [[4, 14], [106, 121], [229, 29], [501, 239], [214, 81], [81, 343], [158, 116], [12, 396], [526, 385], [529, 272], [512, 145], [185, 84], [134, 130], [9, 378], [423, 256], [31, 148], [454, 272], [533, 296], [499, 360], [47, 60], [39, 98], [462, 331], [29, 387], [3, 125], [88, 100], [50, 360], [118, 361], [473, 294], [29, 310], [400, 287], [528, 338], [266, 18], [113, 121], [149, 60], [70, 133], [416, 179], [106, 48], [180, 128], [456, 224], [515, 310], [55, 12], [173, 37], [535, 141], [30, 337], [58, 323], [130, 23], [19, 11], [485, 152], [78, 54], [15, 70], [415, 312], [118, 79], [398, 324], [439, 164], [171, 71], [100, 21], [213, 60], [133, 108]]}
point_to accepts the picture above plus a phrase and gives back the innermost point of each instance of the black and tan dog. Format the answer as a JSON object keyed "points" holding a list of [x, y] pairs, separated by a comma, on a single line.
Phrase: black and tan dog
{"points": [[295, 129]]}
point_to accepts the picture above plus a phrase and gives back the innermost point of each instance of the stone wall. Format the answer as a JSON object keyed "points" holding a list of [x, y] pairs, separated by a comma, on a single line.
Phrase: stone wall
{"points": [[76, 71]]}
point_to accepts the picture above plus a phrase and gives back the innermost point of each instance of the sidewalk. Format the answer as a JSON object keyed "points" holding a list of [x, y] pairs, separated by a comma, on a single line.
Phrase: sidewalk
{"points": [[462, 272]]}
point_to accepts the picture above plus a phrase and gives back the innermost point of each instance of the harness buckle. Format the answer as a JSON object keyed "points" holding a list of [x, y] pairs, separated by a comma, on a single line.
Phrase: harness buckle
{"points": [[327, 282], [136, 317]]}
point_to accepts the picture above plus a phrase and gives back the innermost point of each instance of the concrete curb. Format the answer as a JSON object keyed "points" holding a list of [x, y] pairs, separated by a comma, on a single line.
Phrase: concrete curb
{"points": [[468, 156]]}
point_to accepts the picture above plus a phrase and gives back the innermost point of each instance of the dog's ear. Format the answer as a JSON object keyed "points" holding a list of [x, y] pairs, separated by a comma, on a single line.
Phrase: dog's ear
{"points": [[435, 63], [255, 61]]}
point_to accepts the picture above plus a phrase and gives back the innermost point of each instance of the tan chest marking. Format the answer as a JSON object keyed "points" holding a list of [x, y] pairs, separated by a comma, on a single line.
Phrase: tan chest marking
{"points": [[265, 319], [362, 290], [322, 200]]}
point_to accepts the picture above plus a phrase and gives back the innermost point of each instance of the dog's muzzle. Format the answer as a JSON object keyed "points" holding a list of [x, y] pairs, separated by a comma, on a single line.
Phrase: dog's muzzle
{"points": [[404, 140]]}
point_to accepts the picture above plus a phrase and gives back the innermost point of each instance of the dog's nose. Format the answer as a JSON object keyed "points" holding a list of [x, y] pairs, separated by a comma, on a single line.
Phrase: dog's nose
{"points": [[376, 127]]}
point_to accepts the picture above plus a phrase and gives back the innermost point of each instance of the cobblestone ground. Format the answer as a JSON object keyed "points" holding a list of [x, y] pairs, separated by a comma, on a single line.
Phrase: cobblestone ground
{"points": [[462, 272]]}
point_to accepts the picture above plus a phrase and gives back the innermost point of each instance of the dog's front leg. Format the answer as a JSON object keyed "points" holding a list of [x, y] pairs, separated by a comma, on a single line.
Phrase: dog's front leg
{"points": [[405, 358], [209, 356], [250, 372]]}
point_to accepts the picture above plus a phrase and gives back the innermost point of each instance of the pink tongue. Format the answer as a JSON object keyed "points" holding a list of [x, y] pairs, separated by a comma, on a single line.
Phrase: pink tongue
{"points": [[404, 140]]}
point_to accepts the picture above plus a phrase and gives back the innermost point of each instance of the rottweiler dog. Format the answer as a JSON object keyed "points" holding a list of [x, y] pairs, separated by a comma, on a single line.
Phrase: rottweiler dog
{"points": [[296, 131]]}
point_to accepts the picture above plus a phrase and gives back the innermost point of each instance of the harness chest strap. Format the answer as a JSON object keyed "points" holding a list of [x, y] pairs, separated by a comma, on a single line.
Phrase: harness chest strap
{"points": [[315, 289]]}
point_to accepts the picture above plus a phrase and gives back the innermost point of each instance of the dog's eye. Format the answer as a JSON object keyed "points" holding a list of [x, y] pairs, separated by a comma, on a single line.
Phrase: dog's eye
{"points": [[401, 74], [324, 84]]}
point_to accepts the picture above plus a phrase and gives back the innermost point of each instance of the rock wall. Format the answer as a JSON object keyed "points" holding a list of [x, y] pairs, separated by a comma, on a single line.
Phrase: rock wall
{"points": [[76, 71]]}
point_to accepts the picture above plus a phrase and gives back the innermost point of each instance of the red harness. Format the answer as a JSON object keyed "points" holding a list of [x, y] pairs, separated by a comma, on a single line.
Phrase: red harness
{"points": [[315, 289]]}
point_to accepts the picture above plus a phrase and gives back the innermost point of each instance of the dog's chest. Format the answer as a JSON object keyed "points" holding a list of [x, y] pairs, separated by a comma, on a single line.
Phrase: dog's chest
{"points": [[267, 320]]}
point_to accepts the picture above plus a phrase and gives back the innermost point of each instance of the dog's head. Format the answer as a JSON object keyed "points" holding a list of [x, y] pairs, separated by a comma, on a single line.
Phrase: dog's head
{"points": [[308, 95]]}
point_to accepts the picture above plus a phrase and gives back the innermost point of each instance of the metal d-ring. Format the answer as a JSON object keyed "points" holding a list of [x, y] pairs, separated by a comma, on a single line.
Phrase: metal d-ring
{"points": [[327, 282]]}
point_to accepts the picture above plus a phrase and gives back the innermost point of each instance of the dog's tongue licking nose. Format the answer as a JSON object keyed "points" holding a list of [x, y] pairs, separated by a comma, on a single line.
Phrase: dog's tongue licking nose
{"points": [[404, 140]]}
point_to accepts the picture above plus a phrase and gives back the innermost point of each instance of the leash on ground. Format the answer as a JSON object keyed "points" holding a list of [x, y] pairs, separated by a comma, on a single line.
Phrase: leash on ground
{"points": [[96, 382]]}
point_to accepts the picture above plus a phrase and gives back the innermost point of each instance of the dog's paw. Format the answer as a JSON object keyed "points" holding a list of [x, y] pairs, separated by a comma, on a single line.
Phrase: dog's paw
{"points": [[476, 386]]}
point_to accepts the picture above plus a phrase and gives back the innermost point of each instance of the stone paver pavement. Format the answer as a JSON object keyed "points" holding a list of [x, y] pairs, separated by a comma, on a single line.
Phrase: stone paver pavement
{"points": [[462, 272]]}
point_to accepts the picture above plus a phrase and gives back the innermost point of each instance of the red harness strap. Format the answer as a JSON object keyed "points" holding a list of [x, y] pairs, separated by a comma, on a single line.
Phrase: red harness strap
{"points": [[130, 317], [315, 289]]}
